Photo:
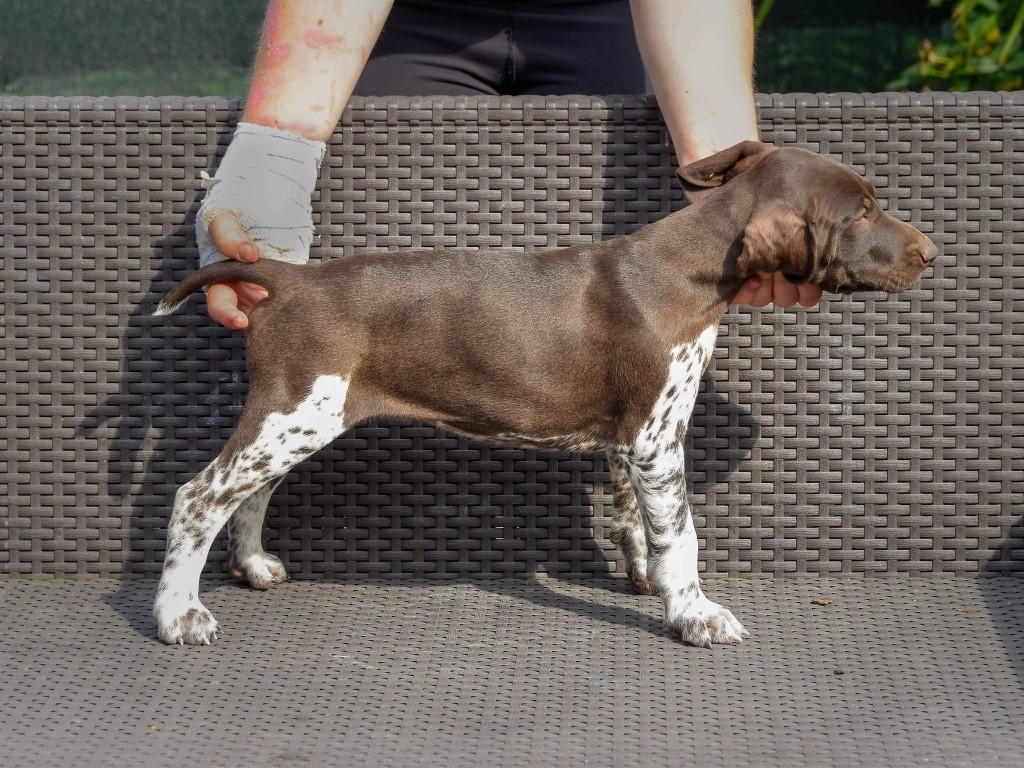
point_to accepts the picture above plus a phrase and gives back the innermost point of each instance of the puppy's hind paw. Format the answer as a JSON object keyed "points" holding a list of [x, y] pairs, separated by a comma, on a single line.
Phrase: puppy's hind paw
{"points": [[704, 622], [259, 571]]}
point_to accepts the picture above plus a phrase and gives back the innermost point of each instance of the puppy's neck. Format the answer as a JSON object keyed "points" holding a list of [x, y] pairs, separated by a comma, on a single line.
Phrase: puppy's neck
{"points": [[690, 259]]}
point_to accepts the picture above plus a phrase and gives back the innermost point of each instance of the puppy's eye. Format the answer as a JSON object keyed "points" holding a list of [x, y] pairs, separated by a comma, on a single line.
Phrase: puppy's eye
{"points": [[868, 206]]}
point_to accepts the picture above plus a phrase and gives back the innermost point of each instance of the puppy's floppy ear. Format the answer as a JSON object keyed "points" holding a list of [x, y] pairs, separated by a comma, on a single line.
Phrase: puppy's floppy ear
{"points": [[777, 239], [706, 175]]}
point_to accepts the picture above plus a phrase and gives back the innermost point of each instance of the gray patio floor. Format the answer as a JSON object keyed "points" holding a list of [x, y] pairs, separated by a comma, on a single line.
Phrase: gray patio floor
{"points": [[895, 671]]}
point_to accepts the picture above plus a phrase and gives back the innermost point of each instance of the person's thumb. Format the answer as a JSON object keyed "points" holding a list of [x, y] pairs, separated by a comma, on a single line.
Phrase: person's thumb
{"points": [[230, 239]]}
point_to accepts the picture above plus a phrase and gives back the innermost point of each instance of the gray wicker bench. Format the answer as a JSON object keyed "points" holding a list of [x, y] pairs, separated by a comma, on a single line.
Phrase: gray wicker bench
{"points": [[873, 437]]}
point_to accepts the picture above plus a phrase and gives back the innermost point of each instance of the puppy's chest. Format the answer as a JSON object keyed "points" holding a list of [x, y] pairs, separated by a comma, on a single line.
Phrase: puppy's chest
{"points": [[669, 416]]}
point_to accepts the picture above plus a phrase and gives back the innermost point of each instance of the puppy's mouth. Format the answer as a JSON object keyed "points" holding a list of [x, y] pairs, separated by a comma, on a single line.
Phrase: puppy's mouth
{"points": [[891, 282]]}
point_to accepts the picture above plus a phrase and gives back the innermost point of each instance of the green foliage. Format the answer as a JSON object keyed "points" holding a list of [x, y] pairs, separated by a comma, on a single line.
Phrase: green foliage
{"points": [[763, 9], [980, 49], [853, 57]]}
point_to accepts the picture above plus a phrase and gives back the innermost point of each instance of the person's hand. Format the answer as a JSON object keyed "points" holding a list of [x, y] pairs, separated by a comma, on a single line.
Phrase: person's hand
{"points": [[766, 288], [257, 205], [229, 303]]}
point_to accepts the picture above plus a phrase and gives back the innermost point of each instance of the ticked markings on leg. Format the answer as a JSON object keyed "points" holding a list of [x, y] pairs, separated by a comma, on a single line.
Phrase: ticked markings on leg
{"points": [[655, 465], [203, 504]]}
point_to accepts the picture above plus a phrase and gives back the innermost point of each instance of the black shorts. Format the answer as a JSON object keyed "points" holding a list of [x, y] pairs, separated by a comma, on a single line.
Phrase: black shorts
{"points": [[546, 47]]}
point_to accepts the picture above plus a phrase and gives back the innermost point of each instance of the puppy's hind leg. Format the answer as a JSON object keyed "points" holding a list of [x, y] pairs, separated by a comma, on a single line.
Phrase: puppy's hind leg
{"points": [[628, 528], [266, 444], [248, 562]]}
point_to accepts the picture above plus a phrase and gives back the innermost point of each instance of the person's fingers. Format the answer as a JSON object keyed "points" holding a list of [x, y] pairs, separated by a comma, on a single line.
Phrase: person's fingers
{"points": [[748, 290], [784, 293], [222, 304], [249, 295], [230, 239], [763, 297], [766, 288], [810, 294]]}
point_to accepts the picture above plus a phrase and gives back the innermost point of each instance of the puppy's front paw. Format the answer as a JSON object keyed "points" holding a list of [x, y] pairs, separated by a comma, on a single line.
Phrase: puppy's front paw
{"points": [[260, 571], [187, 624], [703, 622]]}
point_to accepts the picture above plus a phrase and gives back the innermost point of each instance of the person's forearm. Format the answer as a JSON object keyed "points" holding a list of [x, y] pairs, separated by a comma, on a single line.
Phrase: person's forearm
{"points": [[699, 57], [310, 56]]}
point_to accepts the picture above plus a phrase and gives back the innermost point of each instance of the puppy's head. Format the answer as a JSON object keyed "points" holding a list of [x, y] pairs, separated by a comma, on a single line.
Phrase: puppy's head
{"points": [[812, 219]]}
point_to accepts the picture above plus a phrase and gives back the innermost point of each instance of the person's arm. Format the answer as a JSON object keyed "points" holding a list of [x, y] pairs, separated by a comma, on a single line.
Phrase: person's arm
{"points": [[310, 56], [699, 56]]}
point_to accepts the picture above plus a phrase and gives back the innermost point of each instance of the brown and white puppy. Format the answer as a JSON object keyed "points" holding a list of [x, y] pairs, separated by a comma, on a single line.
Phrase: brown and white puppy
{"points": [[593, 347]]}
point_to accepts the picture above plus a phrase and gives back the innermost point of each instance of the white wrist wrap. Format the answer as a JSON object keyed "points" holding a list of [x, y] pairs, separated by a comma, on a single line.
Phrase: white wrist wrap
{"points": [[266, 178]]}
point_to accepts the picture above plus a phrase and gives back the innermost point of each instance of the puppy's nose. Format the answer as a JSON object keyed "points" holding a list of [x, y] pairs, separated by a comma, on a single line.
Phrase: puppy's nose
{"points": [[927, 252]]}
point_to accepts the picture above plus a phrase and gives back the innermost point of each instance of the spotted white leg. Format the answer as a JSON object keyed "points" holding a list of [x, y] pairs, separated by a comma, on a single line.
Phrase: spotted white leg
{"points": [[248, 562], [264, 447], [660, 485], [655, 466], [628, 527]]}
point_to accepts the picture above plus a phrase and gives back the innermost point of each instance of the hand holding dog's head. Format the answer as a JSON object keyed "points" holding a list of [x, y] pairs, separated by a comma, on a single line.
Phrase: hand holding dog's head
{"points": [[811, 218]]}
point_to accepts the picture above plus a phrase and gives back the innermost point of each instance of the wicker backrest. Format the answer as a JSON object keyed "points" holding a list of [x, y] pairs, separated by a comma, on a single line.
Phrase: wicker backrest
{"points": [[874, 434]]}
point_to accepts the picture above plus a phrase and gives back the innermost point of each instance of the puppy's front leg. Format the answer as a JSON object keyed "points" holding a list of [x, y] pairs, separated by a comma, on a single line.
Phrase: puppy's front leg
{"points": [[654, 464], [628, 527], [660, 484]]}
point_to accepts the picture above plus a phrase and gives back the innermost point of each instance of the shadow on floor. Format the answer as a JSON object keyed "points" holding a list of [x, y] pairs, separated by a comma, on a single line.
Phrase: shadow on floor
{"points": [[134, 598], [1008, 613]]}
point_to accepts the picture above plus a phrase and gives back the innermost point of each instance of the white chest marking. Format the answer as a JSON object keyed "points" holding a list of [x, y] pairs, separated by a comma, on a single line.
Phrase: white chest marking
{"points": [[671, 412]]}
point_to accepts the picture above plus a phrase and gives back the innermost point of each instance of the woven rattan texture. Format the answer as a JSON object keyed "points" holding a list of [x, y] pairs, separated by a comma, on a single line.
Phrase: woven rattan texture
{"points": [[895, 672], [873, 434]]}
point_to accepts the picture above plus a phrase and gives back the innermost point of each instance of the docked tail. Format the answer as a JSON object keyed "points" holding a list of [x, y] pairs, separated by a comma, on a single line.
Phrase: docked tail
{"points": [[266, 272]]}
